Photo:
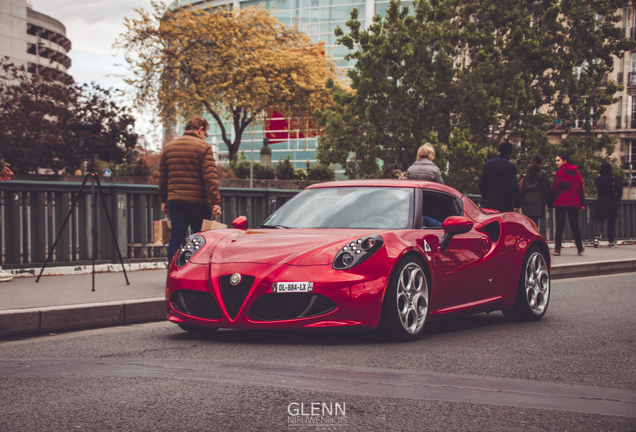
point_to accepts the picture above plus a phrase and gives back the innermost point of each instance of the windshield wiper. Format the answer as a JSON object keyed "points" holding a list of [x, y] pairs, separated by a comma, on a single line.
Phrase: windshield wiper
{"points": [[274, 226]]}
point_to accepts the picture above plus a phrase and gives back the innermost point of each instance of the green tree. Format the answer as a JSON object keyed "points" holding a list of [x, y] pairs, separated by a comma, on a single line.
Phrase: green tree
{"points": [[285, 169], [264, 172], [240, 65], [401, 86], [38, 125], [467, 75], [320, 172], [241, 166]]}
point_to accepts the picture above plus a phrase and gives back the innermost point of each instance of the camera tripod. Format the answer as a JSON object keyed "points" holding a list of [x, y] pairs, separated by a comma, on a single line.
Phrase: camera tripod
{"points": [[94, 177]]}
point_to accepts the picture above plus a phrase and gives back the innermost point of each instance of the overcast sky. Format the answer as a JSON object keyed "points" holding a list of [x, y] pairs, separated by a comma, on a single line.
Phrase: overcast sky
{"points": [[93, 26]]}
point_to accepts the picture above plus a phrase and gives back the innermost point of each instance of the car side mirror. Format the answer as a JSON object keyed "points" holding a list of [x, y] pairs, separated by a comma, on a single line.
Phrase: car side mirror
{"points": [[453, 226], [457, 225], [240, 223]]}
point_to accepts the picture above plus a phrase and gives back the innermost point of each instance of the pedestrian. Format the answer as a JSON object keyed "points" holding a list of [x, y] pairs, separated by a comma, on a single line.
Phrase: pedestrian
{"points": [[498, 182], [424, 168], [188, 182], [5, 275], [5, 172], [610, 192], [569, 200], [534, 187]]}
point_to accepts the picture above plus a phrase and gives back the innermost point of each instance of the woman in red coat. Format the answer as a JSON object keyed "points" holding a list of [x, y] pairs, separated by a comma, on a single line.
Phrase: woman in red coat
{"points": [[569, 199]]}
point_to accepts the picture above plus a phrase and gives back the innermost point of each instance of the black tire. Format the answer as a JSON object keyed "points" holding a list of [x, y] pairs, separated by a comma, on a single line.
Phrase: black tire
{"points": [[197, 329], [406, 303], [533, 291]]}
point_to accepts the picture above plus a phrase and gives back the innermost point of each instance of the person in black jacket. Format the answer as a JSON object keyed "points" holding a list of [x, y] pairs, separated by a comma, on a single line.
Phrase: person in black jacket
{"points": [[498, 182], [610, 192], [535, 190]]}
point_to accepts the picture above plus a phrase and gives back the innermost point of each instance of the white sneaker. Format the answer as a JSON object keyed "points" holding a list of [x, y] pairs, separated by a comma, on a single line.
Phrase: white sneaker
{"points": [[5, 275]]}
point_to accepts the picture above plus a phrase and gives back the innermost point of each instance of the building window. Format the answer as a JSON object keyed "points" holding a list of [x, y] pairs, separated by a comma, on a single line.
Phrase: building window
{"points": [[631, 78]]}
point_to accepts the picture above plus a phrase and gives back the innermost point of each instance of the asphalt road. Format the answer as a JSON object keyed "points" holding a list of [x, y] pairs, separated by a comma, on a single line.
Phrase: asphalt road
{"points": [[573, 371]]}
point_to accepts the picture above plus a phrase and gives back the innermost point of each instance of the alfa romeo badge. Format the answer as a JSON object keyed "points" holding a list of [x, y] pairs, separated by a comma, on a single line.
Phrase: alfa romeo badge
{"points": [[235, 279]]}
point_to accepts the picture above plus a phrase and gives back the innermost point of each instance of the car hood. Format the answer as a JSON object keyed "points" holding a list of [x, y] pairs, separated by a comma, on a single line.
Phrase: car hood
{"points": [[281, 246]]}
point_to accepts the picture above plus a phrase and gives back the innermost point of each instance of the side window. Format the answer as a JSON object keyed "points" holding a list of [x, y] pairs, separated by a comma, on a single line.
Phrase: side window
{"points": [[436, 208]]}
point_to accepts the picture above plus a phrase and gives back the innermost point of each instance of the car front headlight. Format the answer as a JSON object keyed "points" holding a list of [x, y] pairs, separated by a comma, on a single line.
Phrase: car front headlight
{"points": [[356, 252], [190, 246]]}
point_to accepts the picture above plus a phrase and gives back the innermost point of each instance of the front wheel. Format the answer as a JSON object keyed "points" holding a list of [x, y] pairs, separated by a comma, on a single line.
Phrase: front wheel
{"points": [[406, 302], [533, 292]]}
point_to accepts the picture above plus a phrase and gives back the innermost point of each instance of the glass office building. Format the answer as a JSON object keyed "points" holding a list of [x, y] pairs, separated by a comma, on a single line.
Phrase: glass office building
{"points": [[318, 19]]}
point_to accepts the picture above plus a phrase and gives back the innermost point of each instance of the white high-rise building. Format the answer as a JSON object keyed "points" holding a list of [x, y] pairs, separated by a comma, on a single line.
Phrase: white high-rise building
{"points": [[33, 39]]}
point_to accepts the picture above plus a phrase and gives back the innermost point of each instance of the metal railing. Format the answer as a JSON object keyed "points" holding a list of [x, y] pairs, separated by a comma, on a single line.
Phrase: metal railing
{"points": [[32, 214], [625, 222], [630, 122]]}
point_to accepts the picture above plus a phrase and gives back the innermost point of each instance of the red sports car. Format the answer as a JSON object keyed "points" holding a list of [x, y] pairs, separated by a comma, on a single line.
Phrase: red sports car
{"points": [[392, 254]]}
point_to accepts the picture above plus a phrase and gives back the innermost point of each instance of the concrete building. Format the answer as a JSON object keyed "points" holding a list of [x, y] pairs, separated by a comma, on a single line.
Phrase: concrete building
{"points": [[33, 39]]}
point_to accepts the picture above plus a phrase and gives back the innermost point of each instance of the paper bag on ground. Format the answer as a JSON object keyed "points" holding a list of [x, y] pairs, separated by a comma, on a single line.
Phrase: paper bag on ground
{"points": [[161, 232], [212, 225]]}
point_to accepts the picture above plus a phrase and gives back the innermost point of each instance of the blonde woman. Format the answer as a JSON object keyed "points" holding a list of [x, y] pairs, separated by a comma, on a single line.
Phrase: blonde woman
{"points": [[424, 168]]}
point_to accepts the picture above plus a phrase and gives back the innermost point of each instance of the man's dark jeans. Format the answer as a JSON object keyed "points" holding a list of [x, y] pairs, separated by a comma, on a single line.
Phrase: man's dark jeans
{"points": [[183, 215]]}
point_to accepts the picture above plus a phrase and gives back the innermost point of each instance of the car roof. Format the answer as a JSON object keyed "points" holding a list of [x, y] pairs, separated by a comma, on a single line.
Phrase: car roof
{"points": [[415, 184]]}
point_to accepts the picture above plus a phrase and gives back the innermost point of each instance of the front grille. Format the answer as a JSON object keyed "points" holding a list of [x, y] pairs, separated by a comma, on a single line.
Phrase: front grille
{"points": [[284, 306], [234, 295], [196, 303]]}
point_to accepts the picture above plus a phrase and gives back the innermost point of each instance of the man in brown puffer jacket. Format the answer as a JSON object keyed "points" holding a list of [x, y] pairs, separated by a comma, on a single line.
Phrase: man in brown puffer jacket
{"points": [[188, 182]]}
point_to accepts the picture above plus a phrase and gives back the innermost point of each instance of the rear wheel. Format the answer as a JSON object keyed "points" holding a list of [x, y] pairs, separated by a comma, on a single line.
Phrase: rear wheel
{"points": [[533, 292], [406, 302], [197, 329]]}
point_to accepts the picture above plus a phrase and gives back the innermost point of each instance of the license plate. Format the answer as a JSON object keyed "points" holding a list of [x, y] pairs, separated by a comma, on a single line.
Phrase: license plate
{"points": [[285, 287]]}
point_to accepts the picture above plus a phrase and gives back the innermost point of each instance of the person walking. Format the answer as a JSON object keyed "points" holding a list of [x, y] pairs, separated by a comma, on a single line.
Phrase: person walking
{"points": [[535, 190], [498, 182], [5, 174], [610, 192], [188, 182], [424, 168], [569, 200]]}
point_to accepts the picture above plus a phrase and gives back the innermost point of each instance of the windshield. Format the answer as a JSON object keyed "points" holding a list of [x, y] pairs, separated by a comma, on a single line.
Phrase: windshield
{"points": [[346, 207]]}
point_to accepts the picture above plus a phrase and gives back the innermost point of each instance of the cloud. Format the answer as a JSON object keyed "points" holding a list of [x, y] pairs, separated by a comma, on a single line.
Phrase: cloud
{"points": [[90, 11], [93, 27]]}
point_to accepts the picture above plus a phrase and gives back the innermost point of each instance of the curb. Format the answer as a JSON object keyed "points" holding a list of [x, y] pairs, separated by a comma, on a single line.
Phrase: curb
{"points": [[85, 269], [84, 316], [566, 271]]}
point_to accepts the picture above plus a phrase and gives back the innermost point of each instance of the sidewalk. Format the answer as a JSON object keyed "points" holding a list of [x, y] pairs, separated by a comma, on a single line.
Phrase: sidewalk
{"points": [[67, 302]]}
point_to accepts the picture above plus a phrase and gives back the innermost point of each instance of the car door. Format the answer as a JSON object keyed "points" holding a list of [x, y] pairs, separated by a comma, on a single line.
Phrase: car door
{"points": [[461, 271], [460, 274]]}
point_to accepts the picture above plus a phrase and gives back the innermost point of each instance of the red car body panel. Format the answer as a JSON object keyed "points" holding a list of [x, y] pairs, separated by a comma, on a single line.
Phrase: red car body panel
{"points": [[476, 273]]}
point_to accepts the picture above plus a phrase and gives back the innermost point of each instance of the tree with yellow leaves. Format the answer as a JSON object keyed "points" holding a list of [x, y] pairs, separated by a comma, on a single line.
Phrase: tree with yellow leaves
{"points": [[238, 65]]}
